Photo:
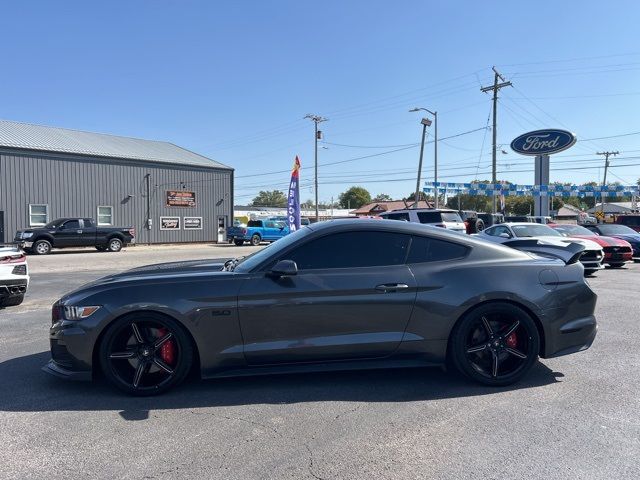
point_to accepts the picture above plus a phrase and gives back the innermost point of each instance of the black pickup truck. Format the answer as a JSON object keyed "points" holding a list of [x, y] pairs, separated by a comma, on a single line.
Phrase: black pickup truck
{"points": [[73, 232]]}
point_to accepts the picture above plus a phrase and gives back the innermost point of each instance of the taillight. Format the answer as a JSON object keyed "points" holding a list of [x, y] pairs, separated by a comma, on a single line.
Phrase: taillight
{"points": [[244, 231], [13, 258]]}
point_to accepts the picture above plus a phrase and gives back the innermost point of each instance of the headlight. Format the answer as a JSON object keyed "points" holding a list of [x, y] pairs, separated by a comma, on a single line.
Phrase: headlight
{"points": [[27, 235], [78, 313]]}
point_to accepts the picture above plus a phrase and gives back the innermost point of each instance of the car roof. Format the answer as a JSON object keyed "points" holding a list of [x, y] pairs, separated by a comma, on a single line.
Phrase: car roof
{"points": [[437, 210]]}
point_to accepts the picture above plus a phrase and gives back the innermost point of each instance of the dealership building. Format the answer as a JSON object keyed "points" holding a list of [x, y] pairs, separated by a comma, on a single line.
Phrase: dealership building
{"points": [[167, 193]]}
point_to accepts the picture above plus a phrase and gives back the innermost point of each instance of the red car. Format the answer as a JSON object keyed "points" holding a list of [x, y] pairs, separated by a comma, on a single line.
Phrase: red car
{"points": [[616, 251]]}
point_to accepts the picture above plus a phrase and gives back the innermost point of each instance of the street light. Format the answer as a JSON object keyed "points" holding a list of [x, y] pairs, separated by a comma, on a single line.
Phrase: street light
{"points": [[316, 119], [425, 123]]}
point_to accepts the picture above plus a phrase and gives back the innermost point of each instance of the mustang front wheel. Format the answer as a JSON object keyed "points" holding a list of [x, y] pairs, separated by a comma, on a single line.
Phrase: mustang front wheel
{"points": [[145, 354], [495, 344]]}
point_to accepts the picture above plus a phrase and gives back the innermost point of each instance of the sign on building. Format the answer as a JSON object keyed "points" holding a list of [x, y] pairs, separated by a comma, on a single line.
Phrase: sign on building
{"points": [[169, 223], [181, 198], [192, 223]]}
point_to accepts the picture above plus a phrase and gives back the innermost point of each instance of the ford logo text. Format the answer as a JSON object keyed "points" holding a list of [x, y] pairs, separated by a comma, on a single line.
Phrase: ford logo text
{"points": [[543, 142]]}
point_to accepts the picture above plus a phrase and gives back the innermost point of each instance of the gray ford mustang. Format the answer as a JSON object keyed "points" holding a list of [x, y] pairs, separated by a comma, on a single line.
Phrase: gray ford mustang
{"points": [[345, 294]]}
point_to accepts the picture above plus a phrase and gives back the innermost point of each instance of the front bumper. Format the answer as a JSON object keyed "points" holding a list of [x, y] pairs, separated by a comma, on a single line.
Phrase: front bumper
{"points": [[59, 371], [71, 351]]}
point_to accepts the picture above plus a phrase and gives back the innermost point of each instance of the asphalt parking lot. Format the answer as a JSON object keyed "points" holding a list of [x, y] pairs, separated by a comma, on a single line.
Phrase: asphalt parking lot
{"points": [[572, 417]]}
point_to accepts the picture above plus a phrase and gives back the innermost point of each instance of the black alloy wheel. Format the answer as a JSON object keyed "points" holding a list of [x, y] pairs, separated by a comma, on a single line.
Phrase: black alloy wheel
{"points": [[114, 245], [42, 247], [495, 344], [255, 240], [145, 354]]}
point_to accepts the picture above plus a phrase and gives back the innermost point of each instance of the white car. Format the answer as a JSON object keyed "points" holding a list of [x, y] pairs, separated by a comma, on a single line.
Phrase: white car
{"points": [[449, 219], [14, 276], [591, 259]]}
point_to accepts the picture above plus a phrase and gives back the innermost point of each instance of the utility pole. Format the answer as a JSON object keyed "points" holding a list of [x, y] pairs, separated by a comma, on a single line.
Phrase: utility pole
{"points": [[426, 123], [316, 119], [495, 87], [604, 180]]}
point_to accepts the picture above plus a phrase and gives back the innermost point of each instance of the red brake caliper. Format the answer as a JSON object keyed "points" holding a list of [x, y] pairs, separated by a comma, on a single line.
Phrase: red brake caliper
{"points": [[168, 348], [512, 340]]}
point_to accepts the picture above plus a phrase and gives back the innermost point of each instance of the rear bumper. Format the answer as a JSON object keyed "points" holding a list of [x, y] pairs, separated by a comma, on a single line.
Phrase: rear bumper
{"points": [[571, 337], [14, 287]]}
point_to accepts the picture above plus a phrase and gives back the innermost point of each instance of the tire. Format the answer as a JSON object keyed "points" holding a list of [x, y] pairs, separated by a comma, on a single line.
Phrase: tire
{"points": [[12, 301], [42, 247], [479, 226], [500, 353], [255, 240], [114, 245], [132, 360], [239, 243]]}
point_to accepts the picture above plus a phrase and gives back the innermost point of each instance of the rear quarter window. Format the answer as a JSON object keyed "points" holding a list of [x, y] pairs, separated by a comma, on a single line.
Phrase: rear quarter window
{"points": [[425, 250], [398, 216], [429, 217]]}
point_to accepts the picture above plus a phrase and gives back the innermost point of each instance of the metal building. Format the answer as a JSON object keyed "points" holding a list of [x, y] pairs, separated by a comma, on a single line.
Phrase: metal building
{"points": [[167, 193]]}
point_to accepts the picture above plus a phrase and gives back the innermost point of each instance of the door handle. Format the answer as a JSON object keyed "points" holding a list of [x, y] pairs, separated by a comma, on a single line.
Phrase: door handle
{"points": [[392, 287]]}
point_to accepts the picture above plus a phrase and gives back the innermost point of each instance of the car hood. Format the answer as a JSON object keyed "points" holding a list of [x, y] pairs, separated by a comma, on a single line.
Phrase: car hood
{"points": [[629, 237], [603, 241], [552, 240]]}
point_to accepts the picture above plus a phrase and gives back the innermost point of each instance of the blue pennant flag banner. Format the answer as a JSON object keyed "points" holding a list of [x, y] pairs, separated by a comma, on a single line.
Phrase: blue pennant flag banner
{"points": [[293, 198], [515, 190]]}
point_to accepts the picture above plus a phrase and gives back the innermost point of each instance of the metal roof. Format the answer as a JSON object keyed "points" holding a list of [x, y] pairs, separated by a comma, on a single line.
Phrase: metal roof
{"points": [[62, 140]]}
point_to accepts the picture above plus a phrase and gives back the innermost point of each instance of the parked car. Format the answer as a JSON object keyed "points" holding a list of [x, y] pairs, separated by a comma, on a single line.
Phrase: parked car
{"points": [[510, 233], [258, 231], [303, 220], [14, 276], [491, 218], [472, 222], [333, 295], [519, 218], [73, 232], [544, 220], [631, 221], [616, 251], [449, 219], [619, 231]]}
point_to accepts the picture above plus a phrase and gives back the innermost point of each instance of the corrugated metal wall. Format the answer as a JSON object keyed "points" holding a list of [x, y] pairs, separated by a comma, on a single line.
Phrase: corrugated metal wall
{"points": [[76, 186]]}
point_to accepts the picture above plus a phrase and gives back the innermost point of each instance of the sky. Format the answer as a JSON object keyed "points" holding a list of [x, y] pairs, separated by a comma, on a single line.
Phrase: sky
{"points": [[233, 80]]}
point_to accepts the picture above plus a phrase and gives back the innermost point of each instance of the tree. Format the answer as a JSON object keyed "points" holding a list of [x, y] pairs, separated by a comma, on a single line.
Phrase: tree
{"points": [[274, 198], [421, 196], [382, 197], [355, 197], [519, 205]]}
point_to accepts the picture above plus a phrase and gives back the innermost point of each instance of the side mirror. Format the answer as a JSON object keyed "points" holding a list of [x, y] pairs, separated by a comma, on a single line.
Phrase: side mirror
{"points": [[284, 268], [504, 235]]}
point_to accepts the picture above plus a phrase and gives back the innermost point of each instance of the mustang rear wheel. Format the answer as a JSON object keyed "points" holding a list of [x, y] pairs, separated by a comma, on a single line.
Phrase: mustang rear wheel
{"points": [[145, 354], [495, 344]]}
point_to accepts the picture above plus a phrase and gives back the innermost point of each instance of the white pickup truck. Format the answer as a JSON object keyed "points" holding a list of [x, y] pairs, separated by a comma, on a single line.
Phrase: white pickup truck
{"points": [[14, 276]]}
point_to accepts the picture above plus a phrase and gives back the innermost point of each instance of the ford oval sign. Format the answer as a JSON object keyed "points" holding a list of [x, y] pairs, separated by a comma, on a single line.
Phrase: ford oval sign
{"points": [[543, 142]]}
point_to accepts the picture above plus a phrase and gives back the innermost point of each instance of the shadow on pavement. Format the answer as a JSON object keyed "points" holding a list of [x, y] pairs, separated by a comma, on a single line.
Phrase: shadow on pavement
{"points": [[27, 389]]}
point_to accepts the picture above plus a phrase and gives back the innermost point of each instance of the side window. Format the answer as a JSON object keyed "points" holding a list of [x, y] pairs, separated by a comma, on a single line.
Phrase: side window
{"points": [[491, 231], [269, 225], [429, 217], [105, 215], [398, 216], [88, 222], [425, 250], [38, 215], [71, 225], [497, 231], [352, 250]]}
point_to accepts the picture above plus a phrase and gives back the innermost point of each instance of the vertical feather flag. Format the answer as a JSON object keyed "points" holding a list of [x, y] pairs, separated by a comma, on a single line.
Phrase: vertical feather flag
{"points": [[293, 204]]}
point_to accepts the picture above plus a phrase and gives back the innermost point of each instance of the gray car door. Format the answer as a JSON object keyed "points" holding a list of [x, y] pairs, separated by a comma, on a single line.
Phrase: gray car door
{"points": [[352, 298]]}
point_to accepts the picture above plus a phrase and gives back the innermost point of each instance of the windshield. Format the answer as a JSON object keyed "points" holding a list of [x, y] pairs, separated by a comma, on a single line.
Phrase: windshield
{"points": [[53, 224], [534, 230], [249, 262], [574, 230], [616, 230]]}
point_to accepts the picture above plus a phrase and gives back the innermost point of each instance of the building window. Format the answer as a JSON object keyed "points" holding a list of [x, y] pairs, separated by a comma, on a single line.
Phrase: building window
{"points": [[38, 215], [105, 215]]}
